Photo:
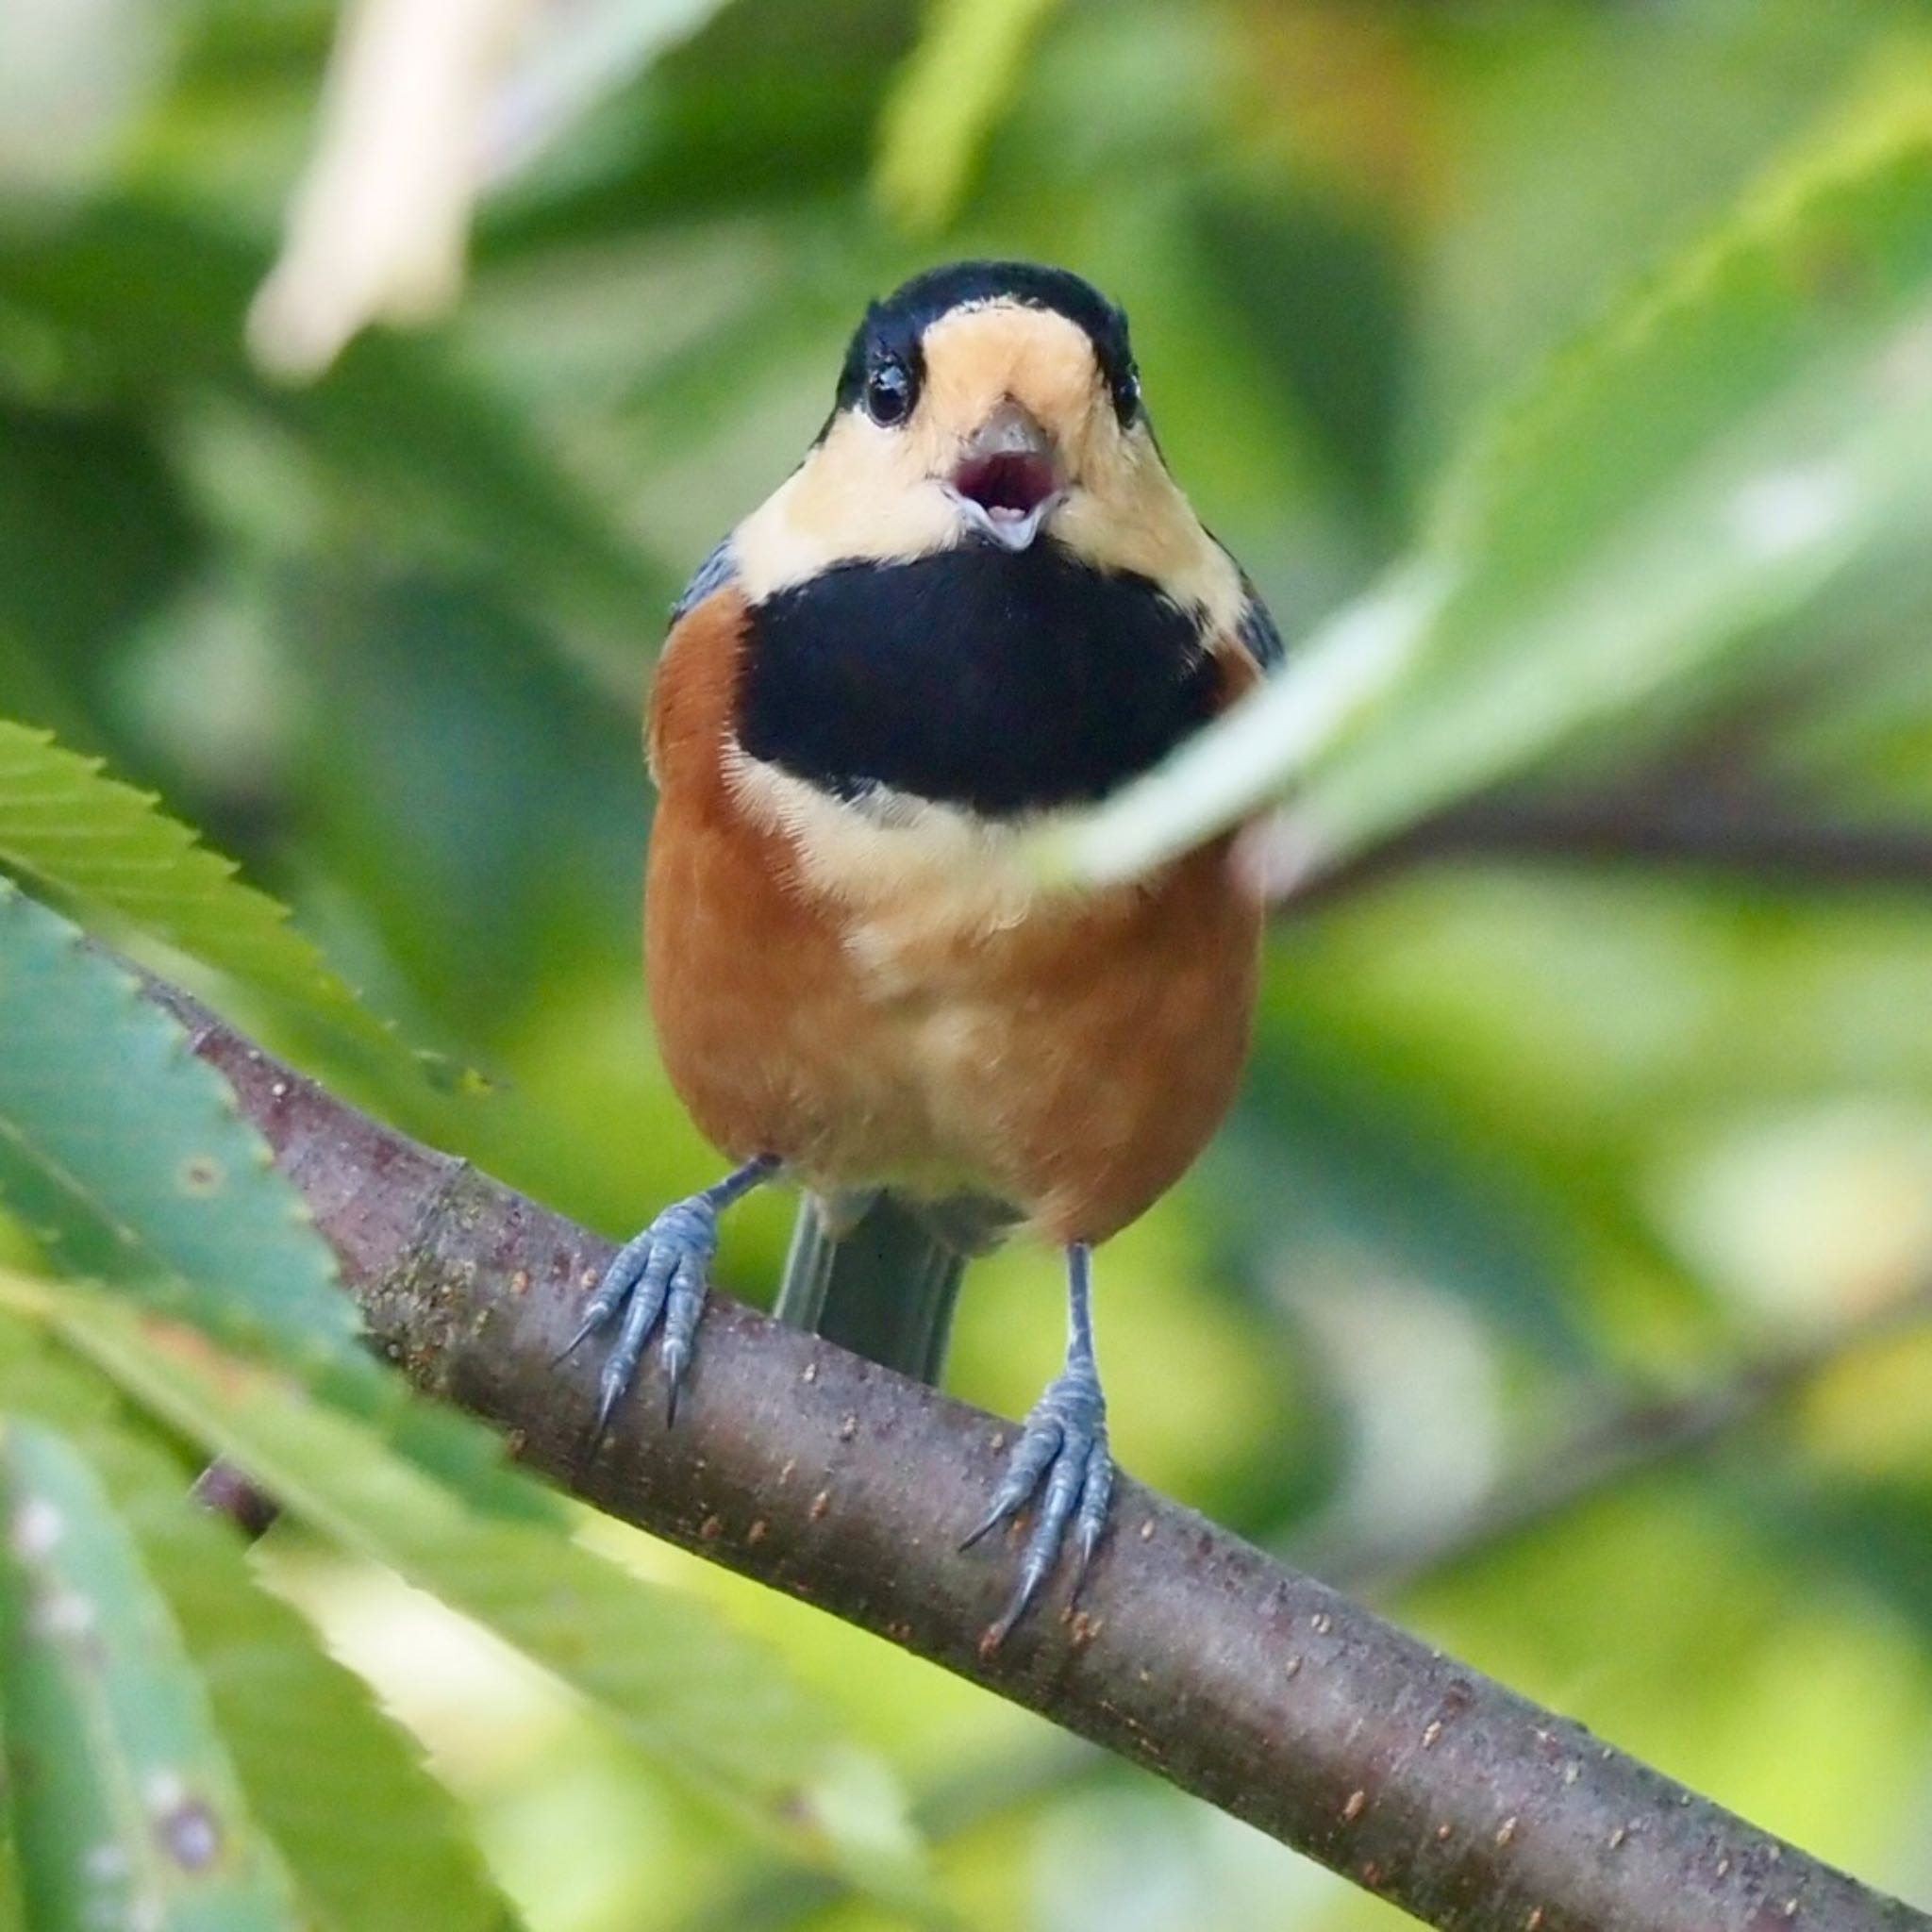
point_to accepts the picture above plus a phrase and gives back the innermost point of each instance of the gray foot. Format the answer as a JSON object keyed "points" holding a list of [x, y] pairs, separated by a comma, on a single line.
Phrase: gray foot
{"points": [[1062, 1455], [661, 1278]]}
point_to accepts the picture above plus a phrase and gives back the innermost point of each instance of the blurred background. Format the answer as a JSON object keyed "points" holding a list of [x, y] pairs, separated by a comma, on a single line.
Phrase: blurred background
{"points": [[1553, 1283]]}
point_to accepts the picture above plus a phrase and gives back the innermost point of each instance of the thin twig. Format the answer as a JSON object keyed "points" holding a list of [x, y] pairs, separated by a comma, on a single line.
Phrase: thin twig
{"points": [[1260, 1690], [1630, 1438], [1749, 834]]}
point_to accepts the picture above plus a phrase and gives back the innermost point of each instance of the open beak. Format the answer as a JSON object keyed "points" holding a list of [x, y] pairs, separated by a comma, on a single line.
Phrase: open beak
{"points": [[1008, 478]]}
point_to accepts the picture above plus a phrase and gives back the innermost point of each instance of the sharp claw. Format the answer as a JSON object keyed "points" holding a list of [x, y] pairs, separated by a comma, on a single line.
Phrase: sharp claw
{"points": [[610, 1389], [988, 1522], [1086, 1541], [586, 1328]]}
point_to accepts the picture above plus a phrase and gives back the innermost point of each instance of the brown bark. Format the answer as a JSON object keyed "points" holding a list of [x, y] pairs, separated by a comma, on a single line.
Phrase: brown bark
{"points": [[1193, 1654]]}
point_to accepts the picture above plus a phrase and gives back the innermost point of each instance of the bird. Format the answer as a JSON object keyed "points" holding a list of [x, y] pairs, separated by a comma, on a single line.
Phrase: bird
{"points": [[978, 603]]}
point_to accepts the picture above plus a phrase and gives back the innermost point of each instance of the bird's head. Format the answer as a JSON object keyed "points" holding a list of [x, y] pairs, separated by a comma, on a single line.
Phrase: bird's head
{"points": [[988, 393], [989, 404]]}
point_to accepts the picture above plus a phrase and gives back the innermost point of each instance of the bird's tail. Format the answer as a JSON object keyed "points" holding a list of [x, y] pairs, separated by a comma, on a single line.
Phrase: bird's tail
{"points": [[881, 1282]]}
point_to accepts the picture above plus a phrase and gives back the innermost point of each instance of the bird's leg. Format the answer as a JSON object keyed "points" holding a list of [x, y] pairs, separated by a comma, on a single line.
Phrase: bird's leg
{"points": [[1063, 1445], [662, 1272]]}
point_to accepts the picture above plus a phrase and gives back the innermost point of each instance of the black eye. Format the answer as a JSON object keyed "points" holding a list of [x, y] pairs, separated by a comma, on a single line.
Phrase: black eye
{"points": [[1126, 393], [888, 393]]}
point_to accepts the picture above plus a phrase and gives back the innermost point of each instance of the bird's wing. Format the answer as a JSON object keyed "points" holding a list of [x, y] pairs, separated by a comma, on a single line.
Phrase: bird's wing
{"points": [[719, 569], [1256, 630]]}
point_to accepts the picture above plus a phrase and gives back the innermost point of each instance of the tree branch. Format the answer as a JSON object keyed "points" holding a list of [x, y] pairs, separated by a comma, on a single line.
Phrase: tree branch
{"points": [[1704, 828], [1631, 1438], [1254, 1687]]}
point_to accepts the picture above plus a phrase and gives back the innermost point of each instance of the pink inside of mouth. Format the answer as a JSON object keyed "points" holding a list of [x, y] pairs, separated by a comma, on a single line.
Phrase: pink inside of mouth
{"points": [[1007, 487]]}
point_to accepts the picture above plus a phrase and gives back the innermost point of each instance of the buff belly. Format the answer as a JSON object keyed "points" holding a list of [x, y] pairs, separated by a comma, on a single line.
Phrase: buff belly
{"points": [[1071, 1062]]}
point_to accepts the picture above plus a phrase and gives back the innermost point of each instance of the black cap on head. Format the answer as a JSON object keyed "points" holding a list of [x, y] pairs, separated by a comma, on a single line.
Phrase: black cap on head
{"points": [[892, 328]]}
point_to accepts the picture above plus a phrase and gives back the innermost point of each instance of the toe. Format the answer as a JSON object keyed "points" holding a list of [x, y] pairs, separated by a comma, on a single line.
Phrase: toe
{"points": [[1062, 1455], [613, 1290], [660, 1276], [1096, 1494], [1049, 1532], [639, 1317], [1040, 1444], [683, 1309], [691, 1227]]}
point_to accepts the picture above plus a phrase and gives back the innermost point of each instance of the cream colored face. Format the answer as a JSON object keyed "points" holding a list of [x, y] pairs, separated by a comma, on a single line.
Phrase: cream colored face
{"points": [[869, 493]]}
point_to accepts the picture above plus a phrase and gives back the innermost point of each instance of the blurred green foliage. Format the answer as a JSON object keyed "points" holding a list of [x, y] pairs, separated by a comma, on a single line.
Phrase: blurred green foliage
{"points": [[1521, 1139]]}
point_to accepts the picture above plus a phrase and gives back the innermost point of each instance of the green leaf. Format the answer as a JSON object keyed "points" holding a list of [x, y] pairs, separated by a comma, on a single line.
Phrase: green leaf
{"points": [[374, 1843], [706, 1703], [95, 529], [1371, 1173], [449, 836], [945, 102], [128, 1809], [109, 847], [1321, 292], [764, 113], [131, 1160], [157, 297], [13, 1912], [1714, 457], [576, 59]]}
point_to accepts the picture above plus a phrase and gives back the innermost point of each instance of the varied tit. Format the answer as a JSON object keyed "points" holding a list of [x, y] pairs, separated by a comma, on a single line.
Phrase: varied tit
{"points": [[980, 601]]}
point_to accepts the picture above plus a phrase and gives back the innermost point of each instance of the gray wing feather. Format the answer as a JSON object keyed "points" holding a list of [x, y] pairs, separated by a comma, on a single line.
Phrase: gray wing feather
{"points": [[1256, 630], [719, 569]]}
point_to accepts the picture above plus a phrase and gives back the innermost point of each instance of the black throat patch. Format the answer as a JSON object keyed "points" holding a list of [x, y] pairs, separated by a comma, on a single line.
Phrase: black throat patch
{"points": [[1005, 683]]}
